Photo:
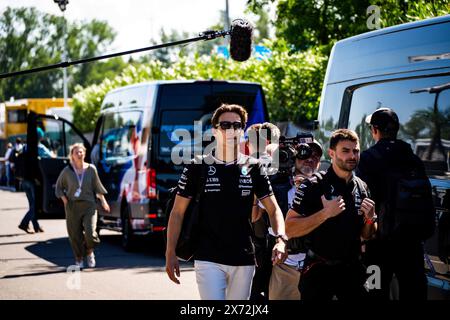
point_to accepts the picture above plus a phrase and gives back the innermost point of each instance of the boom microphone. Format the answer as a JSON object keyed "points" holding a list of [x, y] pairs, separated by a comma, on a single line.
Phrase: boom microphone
{"points": [[240, 48], [241, 39]]}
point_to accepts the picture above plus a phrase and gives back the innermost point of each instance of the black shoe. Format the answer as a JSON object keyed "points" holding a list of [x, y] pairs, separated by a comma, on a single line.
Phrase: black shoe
{"points": [[39, 230], [25, 228]]}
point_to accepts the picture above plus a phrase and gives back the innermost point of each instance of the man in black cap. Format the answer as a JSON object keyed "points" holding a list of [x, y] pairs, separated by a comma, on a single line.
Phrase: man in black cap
{"points": [[285, 276], [395, 252]]}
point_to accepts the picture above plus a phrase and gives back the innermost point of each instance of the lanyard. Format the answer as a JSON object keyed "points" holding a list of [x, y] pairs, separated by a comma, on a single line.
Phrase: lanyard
{"points": [[80, 180]]}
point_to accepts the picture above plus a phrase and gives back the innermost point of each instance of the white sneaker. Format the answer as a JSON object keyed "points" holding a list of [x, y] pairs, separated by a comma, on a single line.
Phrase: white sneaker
{"points": [[91, 260], [79, 264]]}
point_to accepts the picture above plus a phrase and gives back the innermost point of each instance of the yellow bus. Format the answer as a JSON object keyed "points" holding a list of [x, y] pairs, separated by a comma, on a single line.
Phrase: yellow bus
{"points": [[13, 116]]}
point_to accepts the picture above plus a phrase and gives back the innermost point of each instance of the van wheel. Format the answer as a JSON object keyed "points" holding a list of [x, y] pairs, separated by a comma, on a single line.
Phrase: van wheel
{"points": [[127, 232]]}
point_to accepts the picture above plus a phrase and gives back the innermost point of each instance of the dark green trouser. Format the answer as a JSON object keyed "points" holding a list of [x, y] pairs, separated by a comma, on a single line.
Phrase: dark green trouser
{"points": [[82, 216]]}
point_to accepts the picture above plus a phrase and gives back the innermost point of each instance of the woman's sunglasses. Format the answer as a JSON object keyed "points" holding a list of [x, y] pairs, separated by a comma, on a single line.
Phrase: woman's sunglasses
{"points": [[226, 125]]}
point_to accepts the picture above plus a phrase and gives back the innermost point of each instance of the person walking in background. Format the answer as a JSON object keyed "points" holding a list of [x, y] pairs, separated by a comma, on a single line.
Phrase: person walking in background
{"points": [[78, 185], [18, 146], [8, 170], [27, 180]]}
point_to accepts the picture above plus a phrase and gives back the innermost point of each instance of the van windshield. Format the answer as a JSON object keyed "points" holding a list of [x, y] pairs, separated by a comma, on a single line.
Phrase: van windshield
{"points": [[423, 108]]}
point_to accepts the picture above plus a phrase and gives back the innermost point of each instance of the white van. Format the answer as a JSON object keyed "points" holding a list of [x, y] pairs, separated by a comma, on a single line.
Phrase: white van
{"points": [[406, 68]]}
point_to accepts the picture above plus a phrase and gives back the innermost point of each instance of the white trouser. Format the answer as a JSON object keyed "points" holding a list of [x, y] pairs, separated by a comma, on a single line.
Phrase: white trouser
{"points": [[217, 281]]}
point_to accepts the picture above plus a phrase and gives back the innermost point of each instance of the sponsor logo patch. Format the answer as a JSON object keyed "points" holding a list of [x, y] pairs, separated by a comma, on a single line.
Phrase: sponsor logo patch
{"points": [[211, 170]]}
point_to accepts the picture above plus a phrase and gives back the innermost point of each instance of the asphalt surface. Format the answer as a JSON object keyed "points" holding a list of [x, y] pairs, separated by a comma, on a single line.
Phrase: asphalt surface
{"points": [[34, 266]]}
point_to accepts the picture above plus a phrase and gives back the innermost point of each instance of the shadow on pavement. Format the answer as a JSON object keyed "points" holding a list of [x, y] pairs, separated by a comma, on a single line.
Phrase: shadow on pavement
{"points": [[149, 253], [11, 235], [34, 274]]}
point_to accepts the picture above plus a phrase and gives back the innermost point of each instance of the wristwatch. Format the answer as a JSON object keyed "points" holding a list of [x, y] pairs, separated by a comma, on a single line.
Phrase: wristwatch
{"points": [[282, 237]]}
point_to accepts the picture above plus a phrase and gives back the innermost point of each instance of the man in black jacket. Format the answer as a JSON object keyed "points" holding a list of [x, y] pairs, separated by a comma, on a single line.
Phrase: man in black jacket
{"points": [[394, 253], [333, 212]]}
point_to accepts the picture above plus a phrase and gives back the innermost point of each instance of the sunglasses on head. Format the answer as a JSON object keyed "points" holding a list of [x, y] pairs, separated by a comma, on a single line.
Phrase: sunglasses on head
{"points": [[225, 125]]}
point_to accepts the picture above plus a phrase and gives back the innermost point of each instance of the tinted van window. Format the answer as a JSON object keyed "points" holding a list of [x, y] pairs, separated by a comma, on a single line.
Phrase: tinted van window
{"points": [[424, 120], [173, 122], [119, 134], [182, 104]]}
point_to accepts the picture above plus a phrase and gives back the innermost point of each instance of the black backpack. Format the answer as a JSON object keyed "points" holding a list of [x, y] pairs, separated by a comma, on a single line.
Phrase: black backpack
{"points": [[188, 239], [407, 210]]}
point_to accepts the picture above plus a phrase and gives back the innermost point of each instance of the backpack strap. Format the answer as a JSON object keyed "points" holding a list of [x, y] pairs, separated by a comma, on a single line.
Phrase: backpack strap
{"points": [[201, 183], [363, 191], [321, 179]]}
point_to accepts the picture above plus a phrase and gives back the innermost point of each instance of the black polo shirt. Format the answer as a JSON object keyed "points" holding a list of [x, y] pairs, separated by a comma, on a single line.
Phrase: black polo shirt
{"points": [[226, 206], [338, 238]]}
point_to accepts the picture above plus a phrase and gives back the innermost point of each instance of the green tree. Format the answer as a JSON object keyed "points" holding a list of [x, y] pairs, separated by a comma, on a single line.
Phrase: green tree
{"points": [[312, 22], [261, 24], [89, 39], [30, 39], [169, 54], [23, 46], [304, 24]]}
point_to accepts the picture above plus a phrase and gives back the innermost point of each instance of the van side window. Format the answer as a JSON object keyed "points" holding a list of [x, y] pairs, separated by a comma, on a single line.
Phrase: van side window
{"points": [[173, 124], [424, 120], [120, 132]]}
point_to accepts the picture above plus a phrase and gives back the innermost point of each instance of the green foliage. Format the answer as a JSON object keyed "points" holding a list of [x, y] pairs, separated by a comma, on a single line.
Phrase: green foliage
{"points": [[308, 23], [30, 39], [291, 81], [261, 30], [395, 12], [21, 47]]}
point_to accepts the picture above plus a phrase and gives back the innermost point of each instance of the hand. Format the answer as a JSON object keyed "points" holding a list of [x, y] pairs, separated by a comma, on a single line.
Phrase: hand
{"points": [[333, 207], [298, 179], [279, 252], [105, 206], [172, 265], [368, 208]]}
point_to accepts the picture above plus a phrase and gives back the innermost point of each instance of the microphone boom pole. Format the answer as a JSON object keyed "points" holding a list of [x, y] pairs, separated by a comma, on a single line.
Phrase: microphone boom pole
{"points": [[206, 35]]}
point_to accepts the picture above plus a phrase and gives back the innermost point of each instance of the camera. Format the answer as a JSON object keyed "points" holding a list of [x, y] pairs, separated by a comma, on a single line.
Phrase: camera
{"points": [[291, 148]]}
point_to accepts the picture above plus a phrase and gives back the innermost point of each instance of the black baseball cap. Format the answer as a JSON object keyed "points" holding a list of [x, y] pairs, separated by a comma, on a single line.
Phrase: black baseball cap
{"points": [[384, 119], [316, 146]]}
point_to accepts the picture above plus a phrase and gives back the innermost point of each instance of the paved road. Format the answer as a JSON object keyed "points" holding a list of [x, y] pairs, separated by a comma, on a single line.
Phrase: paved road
{"points": [[34, 266]]}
